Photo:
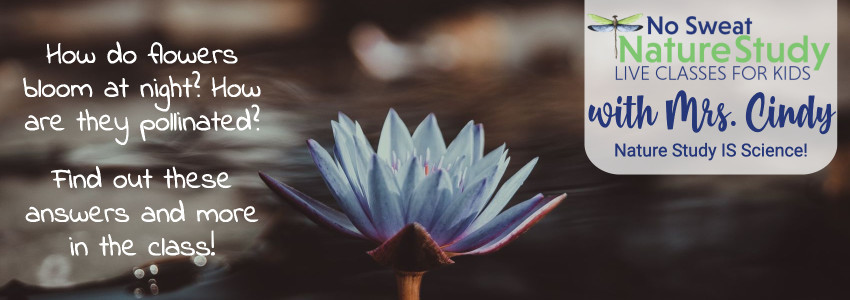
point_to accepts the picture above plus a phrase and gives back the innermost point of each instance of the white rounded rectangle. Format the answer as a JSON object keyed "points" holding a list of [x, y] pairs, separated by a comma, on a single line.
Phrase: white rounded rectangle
{"points": [[720, 87]]}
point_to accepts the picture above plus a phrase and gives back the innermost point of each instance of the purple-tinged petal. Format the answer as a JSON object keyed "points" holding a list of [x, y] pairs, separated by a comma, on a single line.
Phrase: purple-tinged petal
{"points": [[411, 250], [456, 212], [492, 230], [476, 207], [313, 209], [350, 175], [409, 177], [395, 137], [458, 229], [352, 166], [384, 199], [508, 236], [432, 190], [493, 174], [428, 136], [478, 142], [341, 190], [505, 193], [441, 205]]}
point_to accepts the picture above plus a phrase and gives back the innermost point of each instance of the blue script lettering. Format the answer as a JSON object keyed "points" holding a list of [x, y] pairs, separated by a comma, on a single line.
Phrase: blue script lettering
{"points": [[699, 117], [806, 114], [634, 116]]}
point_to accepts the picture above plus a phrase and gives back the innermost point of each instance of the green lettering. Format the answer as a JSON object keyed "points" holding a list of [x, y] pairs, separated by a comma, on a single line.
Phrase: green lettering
{"points": [[636, 55], [744, 49]]}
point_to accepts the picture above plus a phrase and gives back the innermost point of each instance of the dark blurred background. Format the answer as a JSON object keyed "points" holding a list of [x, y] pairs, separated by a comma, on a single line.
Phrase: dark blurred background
{"points": [[516, 66]]}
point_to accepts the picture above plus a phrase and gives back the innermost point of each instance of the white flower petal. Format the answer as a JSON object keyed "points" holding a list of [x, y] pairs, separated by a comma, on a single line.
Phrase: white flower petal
{"points": [[350, 162], [361, 140], [383, 194], [346, 122], [395, 137], [315, 210], [410, 175], [496, 169], [427, 195], [505, 193], [501, 224], [512, 232], [443, 229], [478, 143], [428, 136], [491, 159], [341, 189], [461, 145]]}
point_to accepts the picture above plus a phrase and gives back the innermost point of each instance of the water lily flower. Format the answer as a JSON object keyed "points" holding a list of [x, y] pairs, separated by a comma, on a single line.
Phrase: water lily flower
{"points": [[422, 201]]}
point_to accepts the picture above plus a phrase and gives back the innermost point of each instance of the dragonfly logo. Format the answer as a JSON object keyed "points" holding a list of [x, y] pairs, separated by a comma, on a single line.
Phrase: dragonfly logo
{"points": [[608, 25]]}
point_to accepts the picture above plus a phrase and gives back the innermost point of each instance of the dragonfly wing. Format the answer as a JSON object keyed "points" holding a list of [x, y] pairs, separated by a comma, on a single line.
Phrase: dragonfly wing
{"points": [[628, 28], [600, 20], [629, 20], [601, 28]]}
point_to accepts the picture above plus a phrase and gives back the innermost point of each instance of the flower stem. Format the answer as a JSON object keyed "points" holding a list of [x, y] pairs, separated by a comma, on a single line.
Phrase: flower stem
{"points": [[408, 284]]}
